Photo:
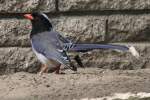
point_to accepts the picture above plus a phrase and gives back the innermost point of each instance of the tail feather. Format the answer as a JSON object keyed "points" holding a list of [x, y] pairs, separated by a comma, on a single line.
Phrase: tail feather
{"points": [[134, 52], [88, 47]]}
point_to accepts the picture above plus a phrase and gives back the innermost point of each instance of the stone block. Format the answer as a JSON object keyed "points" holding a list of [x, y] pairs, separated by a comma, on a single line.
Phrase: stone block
{"points": [[100, 5], [24, 6], [14, 59], [83, 29], [128, 28], [14, 32]]}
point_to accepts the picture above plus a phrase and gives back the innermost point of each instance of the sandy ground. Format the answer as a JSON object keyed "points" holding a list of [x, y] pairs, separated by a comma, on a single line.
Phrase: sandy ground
{"points": [[87, 83]]}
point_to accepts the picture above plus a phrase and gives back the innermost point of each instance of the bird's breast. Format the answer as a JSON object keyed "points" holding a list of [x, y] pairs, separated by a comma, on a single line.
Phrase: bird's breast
{"points": [[40, 56]]}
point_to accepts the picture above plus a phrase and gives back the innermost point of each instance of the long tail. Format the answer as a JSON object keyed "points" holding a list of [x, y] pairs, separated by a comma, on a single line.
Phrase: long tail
{"points": [[88, 47]]}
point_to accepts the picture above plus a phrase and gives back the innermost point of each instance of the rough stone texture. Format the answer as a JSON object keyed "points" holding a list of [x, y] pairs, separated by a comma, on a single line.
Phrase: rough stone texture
{"points": [[86, 29], [118, 60], [14, 32], [22, 6], [22, 59], [113, 60], [17, 59], [91, 29], [128, 28], [90, 5]]}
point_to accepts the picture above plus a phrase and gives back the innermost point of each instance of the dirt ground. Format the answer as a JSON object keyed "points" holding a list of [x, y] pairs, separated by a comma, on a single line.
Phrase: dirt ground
{"points": [[87, 83]]}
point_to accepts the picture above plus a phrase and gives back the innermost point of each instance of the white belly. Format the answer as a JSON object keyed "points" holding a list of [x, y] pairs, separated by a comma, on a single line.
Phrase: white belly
{"points": [[42, 58], [51, 63]]}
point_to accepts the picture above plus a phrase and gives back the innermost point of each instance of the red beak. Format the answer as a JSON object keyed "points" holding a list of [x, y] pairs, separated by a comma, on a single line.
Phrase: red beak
{"points": [[28, 16]]}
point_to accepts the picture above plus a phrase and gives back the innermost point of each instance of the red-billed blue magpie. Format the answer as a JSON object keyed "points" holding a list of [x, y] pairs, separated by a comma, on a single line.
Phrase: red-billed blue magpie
{"points": [[50, 47]]}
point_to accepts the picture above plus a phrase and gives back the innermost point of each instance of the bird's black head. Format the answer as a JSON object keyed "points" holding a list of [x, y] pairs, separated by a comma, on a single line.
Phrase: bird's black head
{"points": [[40, 22]]}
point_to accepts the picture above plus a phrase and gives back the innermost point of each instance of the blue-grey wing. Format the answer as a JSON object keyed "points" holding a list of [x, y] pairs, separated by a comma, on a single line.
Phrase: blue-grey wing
{"points": [[62, 39], [66, 43], [48, 44]]}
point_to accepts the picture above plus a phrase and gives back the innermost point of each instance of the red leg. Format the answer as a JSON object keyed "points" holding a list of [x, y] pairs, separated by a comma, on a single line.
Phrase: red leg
{"points": [[46, 70], [43, 69], [57, 69]]}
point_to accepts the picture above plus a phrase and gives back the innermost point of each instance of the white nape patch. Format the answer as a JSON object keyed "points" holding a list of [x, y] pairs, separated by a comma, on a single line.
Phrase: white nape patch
{"points": [[134, 52], [45, 16]]}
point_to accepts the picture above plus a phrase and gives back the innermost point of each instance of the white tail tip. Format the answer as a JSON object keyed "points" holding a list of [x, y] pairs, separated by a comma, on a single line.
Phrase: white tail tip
{"points": [[134, 52]]}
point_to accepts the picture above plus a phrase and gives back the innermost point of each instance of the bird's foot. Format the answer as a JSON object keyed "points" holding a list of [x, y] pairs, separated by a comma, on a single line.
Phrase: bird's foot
{"points": [[57, 71], [44, 68]]}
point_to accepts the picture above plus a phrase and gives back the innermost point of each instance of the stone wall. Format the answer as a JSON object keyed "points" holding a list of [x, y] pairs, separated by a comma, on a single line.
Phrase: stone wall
{"points": [[85, 21]]}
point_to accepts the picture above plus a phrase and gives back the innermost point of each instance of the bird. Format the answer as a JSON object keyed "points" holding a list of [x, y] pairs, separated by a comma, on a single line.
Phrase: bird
{"points": [[46, 44], [51, 47]]}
